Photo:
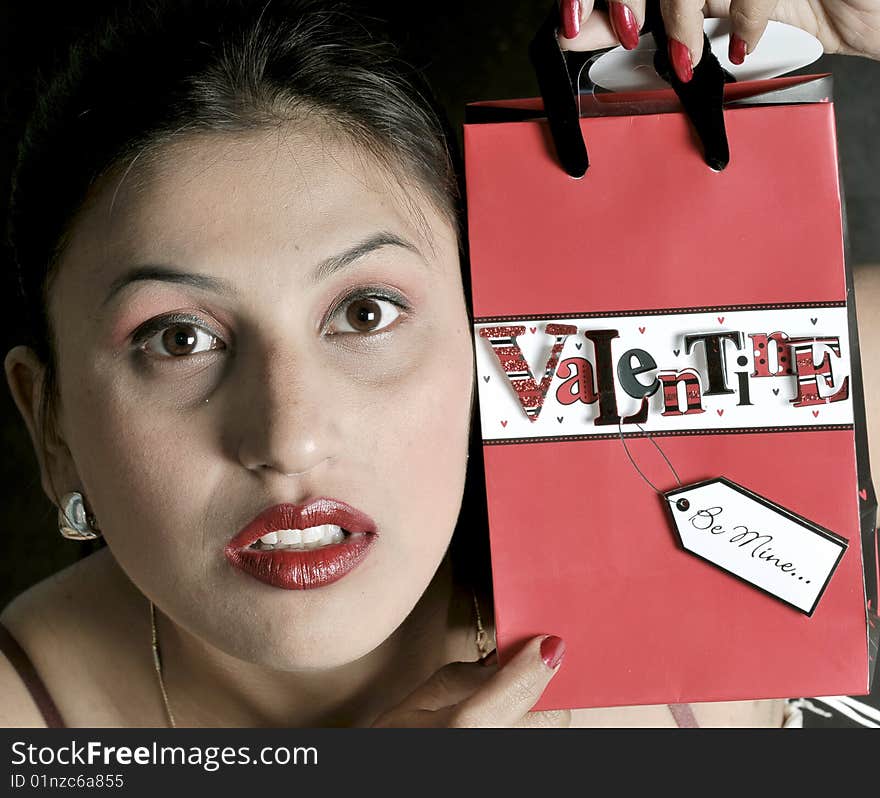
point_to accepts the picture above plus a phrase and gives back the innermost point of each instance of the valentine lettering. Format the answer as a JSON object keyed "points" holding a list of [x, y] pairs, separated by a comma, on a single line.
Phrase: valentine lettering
{"points": [[759, 369]]}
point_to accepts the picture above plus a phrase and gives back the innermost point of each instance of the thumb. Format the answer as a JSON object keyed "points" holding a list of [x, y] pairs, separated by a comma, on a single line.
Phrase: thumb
{"points": [[515, 688]]}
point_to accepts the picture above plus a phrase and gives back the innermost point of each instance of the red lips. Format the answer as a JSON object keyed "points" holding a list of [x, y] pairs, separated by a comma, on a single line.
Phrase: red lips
{"points": [[301, 570]]}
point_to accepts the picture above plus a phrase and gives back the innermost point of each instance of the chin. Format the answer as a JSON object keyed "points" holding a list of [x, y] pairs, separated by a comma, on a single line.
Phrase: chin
{"points": [[308, 650], [313, 636]]}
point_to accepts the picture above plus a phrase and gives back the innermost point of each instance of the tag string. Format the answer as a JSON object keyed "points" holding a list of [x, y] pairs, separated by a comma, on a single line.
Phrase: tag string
{"points": [[635, 465]]}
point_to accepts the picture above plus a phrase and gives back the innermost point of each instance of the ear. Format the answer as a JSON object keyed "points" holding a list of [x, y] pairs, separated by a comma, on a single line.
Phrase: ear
{"points": [[25, 374]]}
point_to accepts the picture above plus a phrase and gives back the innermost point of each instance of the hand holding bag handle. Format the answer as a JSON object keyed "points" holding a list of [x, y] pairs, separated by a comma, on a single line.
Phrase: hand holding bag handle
{"points": [[701, 97]]}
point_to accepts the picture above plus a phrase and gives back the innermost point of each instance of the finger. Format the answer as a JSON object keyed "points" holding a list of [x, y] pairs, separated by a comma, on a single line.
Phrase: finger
{"points": [[573, 14], [594, 34], [515, 688], [627, 19], [683, 20], [548, 719], [591, 30], [413, 719], [748, 20], [448, 686]]}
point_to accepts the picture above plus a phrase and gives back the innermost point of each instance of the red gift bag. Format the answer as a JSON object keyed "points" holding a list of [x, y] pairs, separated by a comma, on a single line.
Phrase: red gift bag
{"points": [[656, 301]]}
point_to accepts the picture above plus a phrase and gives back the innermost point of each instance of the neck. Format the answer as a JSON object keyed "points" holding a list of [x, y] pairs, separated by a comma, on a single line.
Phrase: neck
{"points": [[207, 687]]}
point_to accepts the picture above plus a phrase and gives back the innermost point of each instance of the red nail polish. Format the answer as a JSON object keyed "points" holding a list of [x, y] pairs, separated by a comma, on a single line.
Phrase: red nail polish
{"points": [[552, 651], [624, 23], [571, 18], [736, 52], [681, 60]]}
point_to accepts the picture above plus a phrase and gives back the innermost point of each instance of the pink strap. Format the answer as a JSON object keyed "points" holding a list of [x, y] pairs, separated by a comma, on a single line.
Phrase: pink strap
{"points": [[684, 716]]}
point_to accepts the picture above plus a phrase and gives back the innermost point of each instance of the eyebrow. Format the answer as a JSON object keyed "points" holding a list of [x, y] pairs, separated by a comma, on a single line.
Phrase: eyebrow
{"points": [[322, 271], [375, 242], [166, 275]]}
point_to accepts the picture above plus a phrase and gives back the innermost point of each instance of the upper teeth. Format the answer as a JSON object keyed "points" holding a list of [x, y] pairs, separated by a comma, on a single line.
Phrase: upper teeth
{"points": [[309, 538]]}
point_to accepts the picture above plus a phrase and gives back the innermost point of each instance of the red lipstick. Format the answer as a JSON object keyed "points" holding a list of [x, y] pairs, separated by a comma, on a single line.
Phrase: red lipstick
{"points": [[302, 569]]}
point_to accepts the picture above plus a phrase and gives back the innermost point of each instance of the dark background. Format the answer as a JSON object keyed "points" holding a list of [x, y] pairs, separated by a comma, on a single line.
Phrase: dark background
{"points": [[469, 51]]}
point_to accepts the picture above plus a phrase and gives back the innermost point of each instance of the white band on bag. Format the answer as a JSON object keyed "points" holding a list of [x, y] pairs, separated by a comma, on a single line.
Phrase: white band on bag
{"points": [[691, 372]]}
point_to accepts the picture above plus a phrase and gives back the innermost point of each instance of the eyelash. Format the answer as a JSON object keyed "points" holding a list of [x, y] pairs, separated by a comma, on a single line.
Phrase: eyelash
{"points": [[370, 292], [161, 323], [143, 334]]}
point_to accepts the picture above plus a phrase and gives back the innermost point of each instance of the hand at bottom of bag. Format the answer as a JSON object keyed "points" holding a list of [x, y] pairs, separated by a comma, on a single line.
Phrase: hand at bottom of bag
{"points": [[482, 695]]}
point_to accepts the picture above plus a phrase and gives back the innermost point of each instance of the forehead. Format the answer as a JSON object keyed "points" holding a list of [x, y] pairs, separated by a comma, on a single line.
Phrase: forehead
{"points": [[291, 194]]}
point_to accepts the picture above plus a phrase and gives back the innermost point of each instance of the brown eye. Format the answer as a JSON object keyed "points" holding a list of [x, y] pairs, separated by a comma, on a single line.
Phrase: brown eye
{"points": [[180, 339], [363, 315]]}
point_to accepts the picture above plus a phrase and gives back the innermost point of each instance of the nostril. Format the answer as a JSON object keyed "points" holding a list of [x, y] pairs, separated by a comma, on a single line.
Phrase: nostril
{"points": [[298, 473]]}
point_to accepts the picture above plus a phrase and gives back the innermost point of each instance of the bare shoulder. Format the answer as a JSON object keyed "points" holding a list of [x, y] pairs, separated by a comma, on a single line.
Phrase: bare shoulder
{"points": [[17, 708], [867, 285], [866, 278], [725, 714], [30, 619], [66, 624], [866, 273], [635, 717], [60, 602]]}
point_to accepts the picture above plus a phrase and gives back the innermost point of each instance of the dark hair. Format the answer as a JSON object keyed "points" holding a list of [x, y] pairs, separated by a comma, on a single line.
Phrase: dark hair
{"points": [[159, 70]]}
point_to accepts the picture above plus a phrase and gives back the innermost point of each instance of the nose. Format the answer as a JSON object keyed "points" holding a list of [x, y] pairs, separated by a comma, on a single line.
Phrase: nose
{"points": [[286, 422]]}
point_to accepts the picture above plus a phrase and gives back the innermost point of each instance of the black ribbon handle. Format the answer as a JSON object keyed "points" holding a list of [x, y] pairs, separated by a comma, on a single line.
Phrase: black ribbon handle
{"points": [[701, 97]]}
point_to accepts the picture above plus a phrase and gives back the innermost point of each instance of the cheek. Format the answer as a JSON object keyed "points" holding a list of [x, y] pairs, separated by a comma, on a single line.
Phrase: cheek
{"points": [[142, 465], [423, 419]]}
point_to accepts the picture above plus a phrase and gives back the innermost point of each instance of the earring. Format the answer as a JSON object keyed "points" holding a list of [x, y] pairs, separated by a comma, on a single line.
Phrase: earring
{"points": [[74, 522]]}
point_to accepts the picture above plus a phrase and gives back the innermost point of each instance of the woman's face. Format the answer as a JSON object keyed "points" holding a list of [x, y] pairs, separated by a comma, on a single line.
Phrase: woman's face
{"points": [[262, 320]]}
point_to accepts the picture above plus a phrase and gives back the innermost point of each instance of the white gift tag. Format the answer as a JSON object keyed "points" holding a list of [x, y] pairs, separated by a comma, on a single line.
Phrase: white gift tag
{"points": [[756, 539]]}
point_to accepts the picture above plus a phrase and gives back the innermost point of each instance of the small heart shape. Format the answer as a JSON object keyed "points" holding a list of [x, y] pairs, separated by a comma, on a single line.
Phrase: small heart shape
{"points": [[863, 494], [813, 321], [559, 418], [815, 414], [503, 423], [721, 319], [776, 391], [578, 345], [642, 330], [533, 329], [720, 412], [486, 379], [676, 352]]}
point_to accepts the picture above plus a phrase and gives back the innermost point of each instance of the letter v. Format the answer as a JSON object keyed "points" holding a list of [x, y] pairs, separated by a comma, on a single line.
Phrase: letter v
{"points": [[529, 392]]}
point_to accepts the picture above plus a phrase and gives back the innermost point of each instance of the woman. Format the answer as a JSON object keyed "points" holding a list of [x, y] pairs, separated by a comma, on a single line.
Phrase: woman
{"points": [[251, 371]]}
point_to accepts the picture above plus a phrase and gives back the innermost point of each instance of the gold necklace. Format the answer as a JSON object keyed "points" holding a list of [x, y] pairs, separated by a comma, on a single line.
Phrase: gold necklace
{"points": [[482, 646], [481, 641], [157, 664]]}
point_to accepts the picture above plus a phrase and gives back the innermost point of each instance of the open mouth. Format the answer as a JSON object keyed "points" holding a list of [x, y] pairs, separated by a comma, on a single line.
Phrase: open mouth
{"points": [[298, 547], [313, 537]]}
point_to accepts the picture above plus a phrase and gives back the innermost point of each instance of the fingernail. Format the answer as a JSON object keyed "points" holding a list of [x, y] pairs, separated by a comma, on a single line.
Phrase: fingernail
{"points": [[736, 51], [552, 651], [681, 60], [625, 25], [491, 658], [571, 18]]}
